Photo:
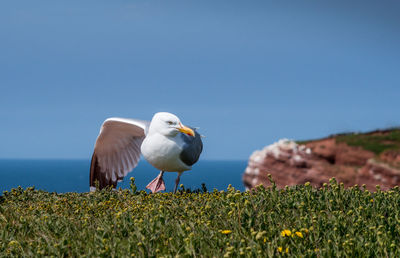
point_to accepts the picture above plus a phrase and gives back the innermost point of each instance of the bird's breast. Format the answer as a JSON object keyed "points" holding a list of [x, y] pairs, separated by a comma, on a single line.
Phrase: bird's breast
{"points": [[163, 152]]}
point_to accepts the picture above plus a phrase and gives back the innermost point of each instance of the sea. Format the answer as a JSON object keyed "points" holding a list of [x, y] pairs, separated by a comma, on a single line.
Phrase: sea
{"points": [[63, 176]]}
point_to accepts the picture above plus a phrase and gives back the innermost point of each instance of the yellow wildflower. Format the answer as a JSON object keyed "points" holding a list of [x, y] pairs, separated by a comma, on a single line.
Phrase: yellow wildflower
{"points": [[304, 230], [226, 231], [13, 243], [299, 234], [280, 249], [286, 232]]}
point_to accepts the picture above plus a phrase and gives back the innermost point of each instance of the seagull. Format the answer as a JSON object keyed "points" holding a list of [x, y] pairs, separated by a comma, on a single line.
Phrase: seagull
{"points": [[164, 142]]}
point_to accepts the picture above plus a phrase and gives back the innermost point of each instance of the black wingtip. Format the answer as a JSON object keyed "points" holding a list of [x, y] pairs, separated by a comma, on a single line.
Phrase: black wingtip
{"points": [[98, 179]]}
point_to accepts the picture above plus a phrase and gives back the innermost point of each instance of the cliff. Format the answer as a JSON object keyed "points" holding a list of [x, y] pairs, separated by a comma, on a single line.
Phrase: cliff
{"points": [[371, 158]]}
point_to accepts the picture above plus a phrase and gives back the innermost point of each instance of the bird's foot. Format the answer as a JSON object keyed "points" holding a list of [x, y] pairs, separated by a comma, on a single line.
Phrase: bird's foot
{"points": [[157, 184]]}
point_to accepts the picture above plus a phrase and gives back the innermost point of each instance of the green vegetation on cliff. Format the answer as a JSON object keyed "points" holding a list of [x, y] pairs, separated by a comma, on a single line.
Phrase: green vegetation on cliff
{"points": [[297, 221], [376, 142]]}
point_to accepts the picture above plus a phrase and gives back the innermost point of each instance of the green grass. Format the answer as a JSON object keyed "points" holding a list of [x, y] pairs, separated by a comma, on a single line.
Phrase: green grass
{"points": [[375, 143], [331, 221]]}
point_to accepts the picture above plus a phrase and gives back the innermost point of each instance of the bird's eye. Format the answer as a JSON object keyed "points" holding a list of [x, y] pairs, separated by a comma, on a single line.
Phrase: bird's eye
{"points": [[170, 122]]}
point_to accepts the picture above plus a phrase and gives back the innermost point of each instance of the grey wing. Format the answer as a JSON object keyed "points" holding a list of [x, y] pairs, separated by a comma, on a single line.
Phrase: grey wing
{"points": [[117, 150], [192, 148]]}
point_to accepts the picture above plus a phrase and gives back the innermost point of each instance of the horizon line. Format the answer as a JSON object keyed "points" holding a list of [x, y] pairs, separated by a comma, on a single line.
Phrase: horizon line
{"points": [[66, 159]]}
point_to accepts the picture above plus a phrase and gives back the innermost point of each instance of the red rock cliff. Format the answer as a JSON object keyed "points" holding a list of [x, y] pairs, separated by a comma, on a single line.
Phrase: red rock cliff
{"points": [[371, 159]]}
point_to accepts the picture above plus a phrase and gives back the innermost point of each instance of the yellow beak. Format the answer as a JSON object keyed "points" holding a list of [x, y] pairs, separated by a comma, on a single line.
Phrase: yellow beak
{"points": [[186, 130]]}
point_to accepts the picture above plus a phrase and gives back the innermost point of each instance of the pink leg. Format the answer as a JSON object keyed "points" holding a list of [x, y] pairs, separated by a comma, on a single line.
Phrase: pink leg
{"points": [[177, 182], [157, 184]]}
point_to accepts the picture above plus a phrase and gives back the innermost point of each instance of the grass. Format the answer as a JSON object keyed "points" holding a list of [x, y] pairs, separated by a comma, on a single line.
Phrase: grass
{"points": [[377, 143], [295, 221]]}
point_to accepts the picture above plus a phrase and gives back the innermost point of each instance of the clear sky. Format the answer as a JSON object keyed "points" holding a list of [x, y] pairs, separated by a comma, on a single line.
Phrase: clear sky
{"points": [[246, 72]]}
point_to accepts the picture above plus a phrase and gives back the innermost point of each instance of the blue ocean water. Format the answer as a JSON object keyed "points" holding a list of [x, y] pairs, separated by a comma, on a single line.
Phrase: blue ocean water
{"points": [[73, 175]]}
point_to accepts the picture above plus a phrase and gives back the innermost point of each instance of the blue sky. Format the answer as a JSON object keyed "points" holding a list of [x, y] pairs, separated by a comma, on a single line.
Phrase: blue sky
{"points": [[246, 72]]}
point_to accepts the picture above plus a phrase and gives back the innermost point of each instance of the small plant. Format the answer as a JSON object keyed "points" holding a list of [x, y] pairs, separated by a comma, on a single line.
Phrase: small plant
{"points": [[132, 185]]}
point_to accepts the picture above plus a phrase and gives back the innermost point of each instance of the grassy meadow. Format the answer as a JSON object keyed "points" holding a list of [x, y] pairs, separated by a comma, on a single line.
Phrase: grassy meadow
{"points": [[296, 221]]}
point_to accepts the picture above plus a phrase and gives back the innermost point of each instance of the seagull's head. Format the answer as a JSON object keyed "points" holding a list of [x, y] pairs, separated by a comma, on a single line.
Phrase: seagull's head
{"points": [[168, 124]]}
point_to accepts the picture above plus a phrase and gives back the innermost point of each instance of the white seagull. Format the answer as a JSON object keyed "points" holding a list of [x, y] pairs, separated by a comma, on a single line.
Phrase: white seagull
{"points": [[165, 143]]}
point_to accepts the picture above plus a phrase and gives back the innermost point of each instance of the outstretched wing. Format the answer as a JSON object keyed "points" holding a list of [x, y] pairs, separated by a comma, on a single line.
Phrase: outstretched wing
{"points": [[117, 150], [192, 148]]}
